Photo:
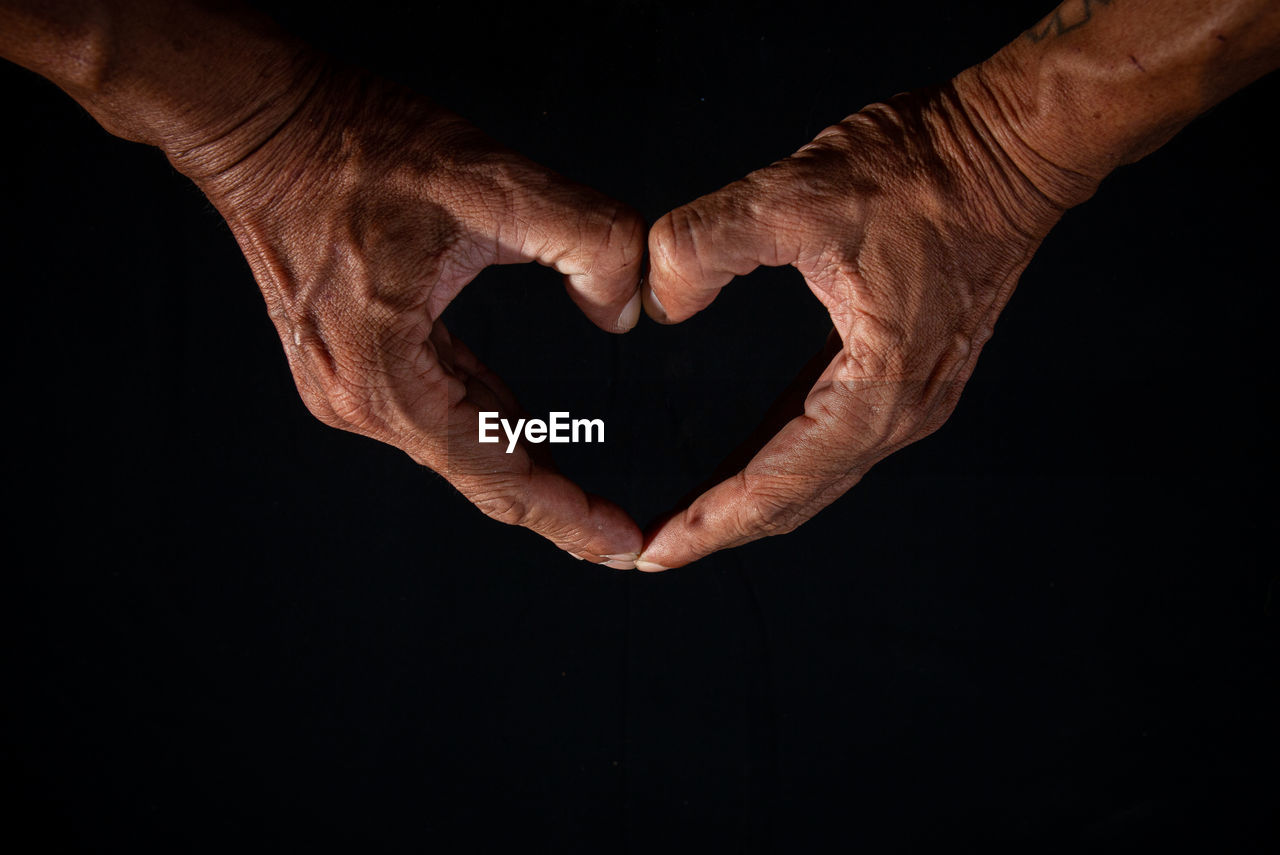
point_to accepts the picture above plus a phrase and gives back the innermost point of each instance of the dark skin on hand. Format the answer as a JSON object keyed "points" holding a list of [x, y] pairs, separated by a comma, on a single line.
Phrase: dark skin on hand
{"points": [[362, 218], [363, 209]]}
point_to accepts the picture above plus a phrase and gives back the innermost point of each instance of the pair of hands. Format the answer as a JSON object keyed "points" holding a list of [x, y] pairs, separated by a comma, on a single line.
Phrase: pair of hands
{"points": [[367, 211]]}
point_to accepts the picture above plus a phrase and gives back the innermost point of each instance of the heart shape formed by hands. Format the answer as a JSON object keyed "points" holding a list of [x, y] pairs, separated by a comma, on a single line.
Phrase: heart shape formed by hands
{"points": [[367, 212]]}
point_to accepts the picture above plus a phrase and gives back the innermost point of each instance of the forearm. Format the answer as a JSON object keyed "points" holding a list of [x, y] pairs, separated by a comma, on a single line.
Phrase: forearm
{"points": [[1101, 83], [206, 82]]}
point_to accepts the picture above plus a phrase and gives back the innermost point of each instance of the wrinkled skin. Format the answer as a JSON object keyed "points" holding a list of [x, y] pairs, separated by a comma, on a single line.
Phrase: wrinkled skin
{"points": [[362, 216], [363, 209], [911, 225]]}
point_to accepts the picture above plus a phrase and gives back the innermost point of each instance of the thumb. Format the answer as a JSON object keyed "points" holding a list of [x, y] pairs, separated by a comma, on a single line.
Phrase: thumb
{"points": [[597, 243], [695, 250]]}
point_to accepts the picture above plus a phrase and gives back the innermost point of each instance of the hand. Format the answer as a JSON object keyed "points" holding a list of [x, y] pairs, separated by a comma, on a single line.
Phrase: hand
{"points": [[912, 226], [362, 216]]}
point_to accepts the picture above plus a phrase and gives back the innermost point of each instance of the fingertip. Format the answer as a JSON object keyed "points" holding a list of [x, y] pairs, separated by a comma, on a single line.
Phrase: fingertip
{"points": [[542, 500], [666, 545], [665, 260], [689, 262], [612, 305], [653, 306], [630, 315], [608, 533], [613, 560], [602, 259]]}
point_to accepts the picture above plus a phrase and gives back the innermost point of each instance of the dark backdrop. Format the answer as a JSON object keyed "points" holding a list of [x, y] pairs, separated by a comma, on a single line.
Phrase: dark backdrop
{"points": [[1049, 627]]}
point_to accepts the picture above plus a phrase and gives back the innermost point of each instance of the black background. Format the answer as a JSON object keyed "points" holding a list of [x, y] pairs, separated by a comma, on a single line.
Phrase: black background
{"points": [[1049, 627]]}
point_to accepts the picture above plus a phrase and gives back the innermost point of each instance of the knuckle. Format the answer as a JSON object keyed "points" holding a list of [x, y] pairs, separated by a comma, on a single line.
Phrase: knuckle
{"points": [[845, 135], [769, 518], [673, 242], [628, 234], [505, 507], [831, 409], [359, 390], [322, 393], [350, 401], [625, 227], [317, 404], [936, 419], [616, 235], [325, 385], [878, 348], [353, 377], [913, 414], [769, 510], [892, 382], [876, 413], [500, 495], [494, 170]]}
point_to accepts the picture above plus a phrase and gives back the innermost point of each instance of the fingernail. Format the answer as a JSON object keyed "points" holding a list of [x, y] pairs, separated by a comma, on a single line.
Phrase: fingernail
{"points": [[619, 565], [576, 555], [620, 556], [630, 314], [648, 566], [653, 305]]}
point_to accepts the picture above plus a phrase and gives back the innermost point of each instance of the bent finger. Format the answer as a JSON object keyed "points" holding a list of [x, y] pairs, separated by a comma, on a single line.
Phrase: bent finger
{"points": [[597, 243], [846, 427], [698, 248], [517, 486]]}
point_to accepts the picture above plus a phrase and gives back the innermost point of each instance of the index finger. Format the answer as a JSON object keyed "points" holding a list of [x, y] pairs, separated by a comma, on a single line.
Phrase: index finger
{"points": [[512, 483], [426, 400], [848, 424]]}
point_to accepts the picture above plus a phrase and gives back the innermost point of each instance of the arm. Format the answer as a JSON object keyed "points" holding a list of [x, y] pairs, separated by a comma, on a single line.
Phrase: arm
{"points": [[912, 221], [363, 209], [204, 82], [1101, 83]]}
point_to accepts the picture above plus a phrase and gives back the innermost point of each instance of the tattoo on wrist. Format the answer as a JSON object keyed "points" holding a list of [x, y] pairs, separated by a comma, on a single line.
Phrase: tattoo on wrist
{"points": [[1071, 15]]}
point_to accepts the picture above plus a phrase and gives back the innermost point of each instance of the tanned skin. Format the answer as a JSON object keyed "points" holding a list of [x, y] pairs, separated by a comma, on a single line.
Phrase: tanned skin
{"points": [[363, 209], [912, 220]]}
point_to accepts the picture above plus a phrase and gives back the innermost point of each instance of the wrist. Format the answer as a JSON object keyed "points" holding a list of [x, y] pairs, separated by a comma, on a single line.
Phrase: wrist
{"points": [[248, 102], [1091, 88], [1028, 123], [330, 132], [202, 82], [210, 103]]}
